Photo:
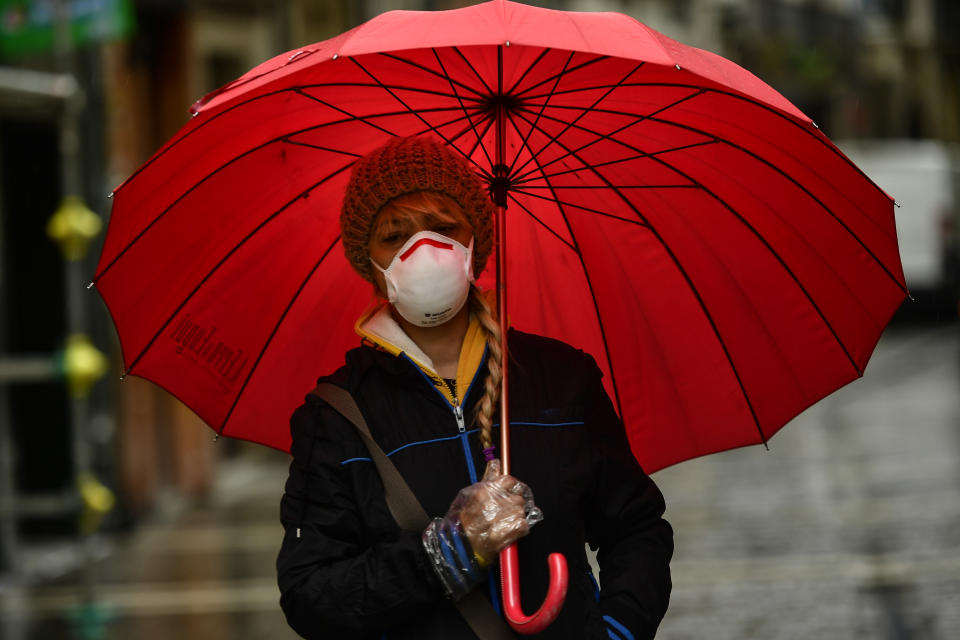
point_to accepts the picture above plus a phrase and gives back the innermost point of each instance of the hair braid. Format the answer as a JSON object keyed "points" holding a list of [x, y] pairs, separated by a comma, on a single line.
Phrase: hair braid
{"points": [[488, 404]]}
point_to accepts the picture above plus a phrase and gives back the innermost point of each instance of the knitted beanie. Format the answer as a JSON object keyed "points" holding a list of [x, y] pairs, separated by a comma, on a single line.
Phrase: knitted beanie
{"points": [[407, 165]]}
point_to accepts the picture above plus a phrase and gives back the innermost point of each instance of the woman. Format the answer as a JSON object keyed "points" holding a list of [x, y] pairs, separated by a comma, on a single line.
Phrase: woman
{"points": [[416, 223]]}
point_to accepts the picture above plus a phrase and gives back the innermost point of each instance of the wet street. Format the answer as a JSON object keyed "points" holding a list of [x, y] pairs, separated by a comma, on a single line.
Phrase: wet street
{"points": [[849, 527]]}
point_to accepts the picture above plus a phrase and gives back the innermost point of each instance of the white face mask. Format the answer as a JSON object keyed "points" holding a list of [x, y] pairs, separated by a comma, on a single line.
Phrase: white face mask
{"points": [[429, 279]]}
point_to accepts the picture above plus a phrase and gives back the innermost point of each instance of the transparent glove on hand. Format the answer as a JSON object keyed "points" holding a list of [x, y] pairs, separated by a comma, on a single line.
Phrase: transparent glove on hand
{"points": [[483, 519]]}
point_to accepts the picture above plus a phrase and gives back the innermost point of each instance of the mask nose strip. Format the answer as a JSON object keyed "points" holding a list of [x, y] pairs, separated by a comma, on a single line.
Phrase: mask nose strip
{"points": [[433, 242]]}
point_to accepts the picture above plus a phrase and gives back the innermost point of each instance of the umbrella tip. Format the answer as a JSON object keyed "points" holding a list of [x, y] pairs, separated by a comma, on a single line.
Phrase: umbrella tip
{"points": [[677, 66], [111, 194], [815, 125], [90, 285]]}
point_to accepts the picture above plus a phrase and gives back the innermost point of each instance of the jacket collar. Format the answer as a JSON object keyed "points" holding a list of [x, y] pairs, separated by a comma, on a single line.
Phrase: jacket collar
{"points": [[383, 333]]}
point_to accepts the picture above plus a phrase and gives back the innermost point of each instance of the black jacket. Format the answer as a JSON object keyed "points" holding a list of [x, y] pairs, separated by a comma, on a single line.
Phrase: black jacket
{"points": [[346, 570]]}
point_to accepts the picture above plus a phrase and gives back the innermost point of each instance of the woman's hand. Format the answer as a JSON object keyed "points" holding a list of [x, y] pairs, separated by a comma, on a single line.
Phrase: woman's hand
{"points": [[496, 512], [483, 519]]}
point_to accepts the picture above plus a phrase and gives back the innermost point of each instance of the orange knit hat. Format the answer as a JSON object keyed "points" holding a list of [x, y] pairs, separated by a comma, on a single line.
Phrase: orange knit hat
{"points": [[407, 165]]}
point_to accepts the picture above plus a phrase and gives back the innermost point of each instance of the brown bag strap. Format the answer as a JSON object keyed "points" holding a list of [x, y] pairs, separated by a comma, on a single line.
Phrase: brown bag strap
{"points": [[408, 512]]}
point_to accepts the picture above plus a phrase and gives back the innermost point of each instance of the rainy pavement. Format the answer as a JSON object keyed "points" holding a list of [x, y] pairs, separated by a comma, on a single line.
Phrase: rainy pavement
{"points": [[849, 527]]}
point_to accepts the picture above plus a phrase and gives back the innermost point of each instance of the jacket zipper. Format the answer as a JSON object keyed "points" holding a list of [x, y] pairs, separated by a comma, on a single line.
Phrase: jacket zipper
{"points": [[458, 415], [462, 428]]}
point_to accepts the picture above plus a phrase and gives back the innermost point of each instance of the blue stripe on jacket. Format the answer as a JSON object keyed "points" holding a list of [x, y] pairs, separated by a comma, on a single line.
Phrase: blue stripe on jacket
{"points": [[448, 438], [624, 633]]}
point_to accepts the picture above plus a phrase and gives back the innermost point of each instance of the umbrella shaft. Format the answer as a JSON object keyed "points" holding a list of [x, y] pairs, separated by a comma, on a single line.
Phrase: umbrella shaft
{"points": [[502, 316]]}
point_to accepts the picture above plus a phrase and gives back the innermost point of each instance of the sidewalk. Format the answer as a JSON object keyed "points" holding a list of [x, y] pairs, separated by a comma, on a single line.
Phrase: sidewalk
{"points": [[190, 572]]}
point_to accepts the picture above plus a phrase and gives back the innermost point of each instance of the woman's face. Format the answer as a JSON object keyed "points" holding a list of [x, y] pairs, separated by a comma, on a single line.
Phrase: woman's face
{"points": [[409, 214]]}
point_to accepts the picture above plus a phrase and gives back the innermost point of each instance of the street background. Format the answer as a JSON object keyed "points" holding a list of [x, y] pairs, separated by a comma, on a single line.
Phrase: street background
{"points": [[121, 518]]}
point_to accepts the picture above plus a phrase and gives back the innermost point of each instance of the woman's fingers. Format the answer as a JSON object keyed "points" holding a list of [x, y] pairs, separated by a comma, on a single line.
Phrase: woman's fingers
{"points": [[496, 511], [493, 470]]}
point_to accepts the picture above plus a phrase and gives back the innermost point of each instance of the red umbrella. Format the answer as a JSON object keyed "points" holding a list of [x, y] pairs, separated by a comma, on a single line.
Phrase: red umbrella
{"points": [[666, 211]]}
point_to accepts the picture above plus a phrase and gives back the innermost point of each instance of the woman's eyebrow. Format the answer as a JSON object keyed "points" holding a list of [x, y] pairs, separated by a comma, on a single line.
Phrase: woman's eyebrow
{"points": [[441, 216], [393, 224]]}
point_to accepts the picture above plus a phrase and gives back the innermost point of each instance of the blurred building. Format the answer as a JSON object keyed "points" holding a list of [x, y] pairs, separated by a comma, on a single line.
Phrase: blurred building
{"points": [[110, 81], [874, 69]]}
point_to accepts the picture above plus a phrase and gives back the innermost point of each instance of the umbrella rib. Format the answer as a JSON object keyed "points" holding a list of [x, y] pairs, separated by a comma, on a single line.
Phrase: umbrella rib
{"points": [[228, 255], [594, 87], [541, 222], [316, 146], [446, 75], [756, 233], [759, 158], [587, 63], [478, 143], [487, 87], [276, 327], [593, 296], [414, 113], [434, 72], [239, 82], [759, 237], [367, 119], [821, 139], [580, 206], [779, 259], [363, 119], [283, 138], [525, 139], [614, 186], [183, 135], [632, 85], [399, 87], [640, 156], [693, 290], [552, 139], [523, 76], [637, 118]]}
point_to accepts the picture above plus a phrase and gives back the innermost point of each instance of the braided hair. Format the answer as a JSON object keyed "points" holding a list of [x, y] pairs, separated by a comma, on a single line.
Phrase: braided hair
{"points": [[487, 407]]}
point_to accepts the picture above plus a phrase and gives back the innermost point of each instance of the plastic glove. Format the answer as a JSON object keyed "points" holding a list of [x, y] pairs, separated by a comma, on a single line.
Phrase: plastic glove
{"points": [[483, 519]]}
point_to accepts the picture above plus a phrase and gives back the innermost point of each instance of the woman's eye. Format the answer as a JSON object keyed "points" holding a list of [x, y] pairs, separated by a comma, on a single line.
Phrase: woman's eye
{"points": [[390, 238]]}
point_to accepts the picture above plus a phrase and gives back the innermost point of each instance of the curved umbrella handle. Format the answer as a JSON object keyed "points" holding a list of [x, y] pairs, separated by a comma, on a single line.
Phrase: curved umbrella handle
{"points": [[510, 583]]}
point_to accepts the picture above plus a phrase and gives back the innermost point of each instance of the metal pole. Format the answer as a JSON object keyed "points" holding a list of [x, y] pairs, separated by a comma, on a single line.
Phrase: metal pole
{"points": [[9, 558], [72, 185]]}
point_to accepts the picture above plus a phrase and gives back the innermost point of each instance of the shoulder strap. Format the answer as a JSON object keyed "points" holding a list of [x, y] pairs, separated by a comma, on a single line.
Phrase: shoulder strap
{"points": [[407, 510]]}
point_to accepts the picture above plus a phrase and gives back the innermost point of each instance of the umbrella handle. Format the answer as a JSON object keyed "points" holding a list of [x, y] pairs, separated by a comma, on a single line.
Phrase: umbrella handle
{"points": [[510, 583]]}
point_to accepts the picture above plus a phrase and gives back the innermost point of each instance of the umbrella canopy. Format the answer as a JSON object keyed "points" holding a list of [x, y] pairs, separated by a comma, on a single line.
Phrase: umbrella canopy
{"points": [[667, 211]]}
